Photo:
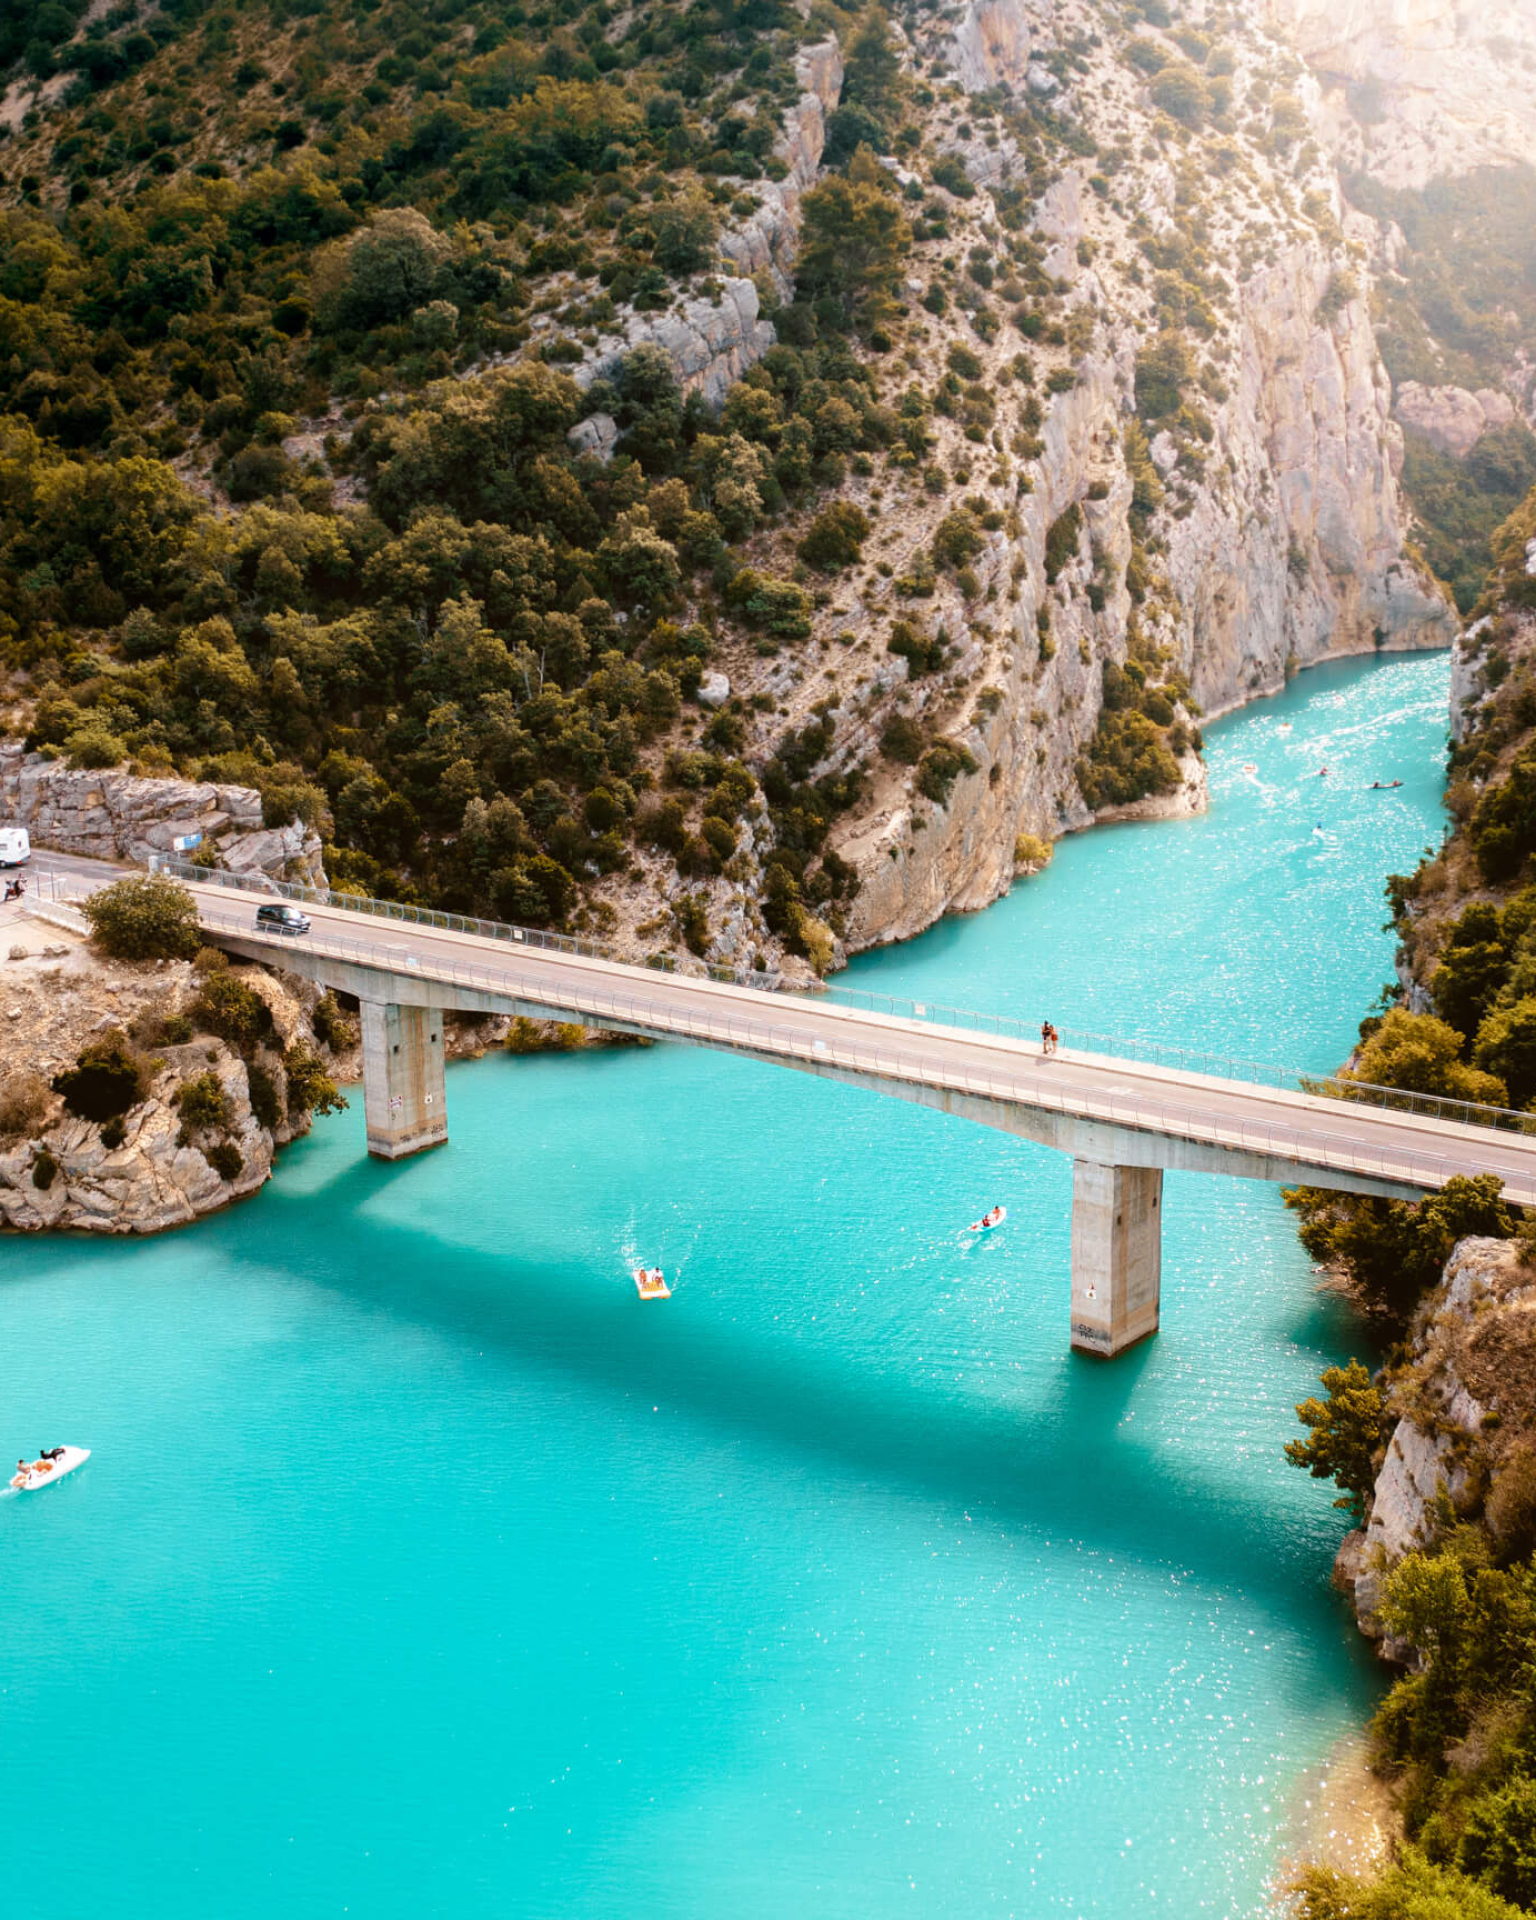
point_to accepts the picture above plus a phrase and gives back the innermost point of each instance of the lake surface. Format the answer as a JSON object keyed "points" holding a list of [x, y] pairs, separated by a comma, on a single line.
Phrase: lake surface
{"points": [[422, 1570]]}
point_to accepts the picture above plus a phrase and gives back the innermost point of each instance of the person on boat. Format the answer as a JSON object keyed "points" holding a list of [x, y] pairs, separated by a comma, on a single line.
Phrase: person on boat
{"points": [[23, 1472], [50, 1453]]}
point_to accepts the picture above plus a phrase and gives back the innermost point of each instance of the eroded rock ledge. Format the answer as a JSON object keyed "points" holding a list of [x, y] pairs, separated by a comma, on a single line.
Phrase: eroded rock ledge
{"points": [[1467, 1398]]}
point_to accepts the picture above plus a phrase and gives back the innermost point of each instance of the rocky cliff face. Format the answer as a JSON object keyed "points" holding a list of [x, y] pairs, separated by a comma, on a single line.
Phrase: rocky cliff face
{"points": [[1281, 535], [1415, 88], [114, 816], [1467, 1395], [56, 996]]}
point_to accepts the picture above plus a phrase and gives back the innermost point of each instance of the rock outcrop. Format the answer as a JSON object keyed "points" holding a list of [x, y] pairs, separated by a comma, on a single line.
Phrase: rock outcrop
{"points": [[711, 343], [1416, 88], [1450, 418], [57, 995], [1467, 1395], [116, 816], [1284, 542], [992, 45]]}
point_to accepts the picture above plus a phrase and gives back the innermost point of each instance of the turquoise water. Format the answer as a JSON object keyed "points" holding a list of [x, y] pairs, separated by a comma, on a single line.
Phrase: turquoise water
{"points": [[422, 1570]]}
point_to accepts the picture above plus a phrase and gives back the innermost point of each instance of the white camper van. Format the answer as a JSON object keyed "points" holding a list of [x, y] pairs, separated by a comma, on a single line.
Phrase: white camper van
{"points": [[15, 847]]}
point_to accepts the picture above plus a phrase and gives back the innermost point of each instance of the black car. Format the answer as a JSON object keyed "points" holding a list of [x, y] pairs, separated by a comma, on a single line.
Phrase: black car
{"points": [[281, 919]]}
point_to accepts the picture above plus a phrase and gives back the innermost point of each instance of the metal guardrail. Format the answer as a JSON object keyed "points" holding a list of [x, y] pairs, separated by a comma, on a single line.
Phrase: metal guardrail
{"points": [[957, 1019], [1191, 1060], [766, 1037], [537, 938]]}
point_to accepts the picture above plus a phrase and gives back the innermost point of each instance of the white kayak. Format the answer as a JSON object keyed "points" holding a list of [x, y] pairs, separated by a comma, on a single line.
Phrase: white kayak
{"points": [[988, 1221], [67, 1461]]}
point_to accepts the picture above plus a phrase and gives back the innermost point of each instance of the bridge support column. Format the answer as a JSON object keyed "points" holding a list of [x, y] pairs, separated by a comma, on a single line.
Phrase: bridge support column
{"points": [[403, 1081], [1117, 1255]]}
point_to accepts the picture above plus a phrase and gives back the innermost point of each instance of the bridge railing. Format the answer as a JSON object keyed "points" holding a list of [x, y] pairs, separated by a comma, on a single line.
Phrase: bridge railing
{"points": [[935, 1013], [1212, 1066], [535, 937], [758, 1029]]}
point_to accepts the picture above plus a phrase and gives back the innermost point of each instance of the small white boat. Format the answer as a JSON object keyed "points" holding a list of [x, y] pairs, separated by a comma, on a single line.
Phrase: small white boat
{"points": [[1249, 767], [989, 1220], [651, 1284], [68, 1460]]}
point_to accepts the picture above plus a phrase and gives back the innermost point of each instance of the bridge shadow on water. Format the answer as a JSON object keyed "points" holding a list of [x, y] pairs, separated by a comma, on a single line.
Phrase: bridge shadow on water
{"points": [[1060, 1464]]}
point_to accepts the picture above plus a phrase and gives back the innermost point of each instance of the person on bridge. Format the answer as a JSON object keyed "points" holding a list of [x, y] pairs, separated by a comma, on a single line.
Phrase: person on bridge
{"points": [[1049, 1039]]}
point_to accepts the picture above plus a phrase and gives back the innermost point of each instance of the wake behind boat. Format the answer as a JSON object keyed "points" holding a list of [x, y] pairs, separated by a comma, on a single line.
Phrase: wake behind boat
{"points": [[43, 1471]]}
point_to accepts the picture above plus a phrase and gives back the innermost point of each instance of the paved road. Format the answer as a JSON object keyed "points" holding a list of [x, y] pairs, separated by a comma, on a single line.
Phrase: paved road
{"points": [[989, 1077], [912, 1056]]}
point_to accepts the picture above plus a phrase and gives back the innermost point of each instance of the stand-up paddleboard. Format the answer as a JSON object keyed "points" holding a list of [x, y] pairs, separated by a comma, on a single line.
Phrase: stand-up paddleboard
{"points": [[651, 1284], [989, 1221], [67, 1461]]}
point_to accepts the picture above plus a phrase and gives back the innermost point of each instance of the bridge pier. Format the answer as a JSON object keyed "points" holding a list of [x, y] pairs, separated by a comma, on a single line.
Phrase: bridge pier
{"points": [[1117, 1255], [404, 1098]]}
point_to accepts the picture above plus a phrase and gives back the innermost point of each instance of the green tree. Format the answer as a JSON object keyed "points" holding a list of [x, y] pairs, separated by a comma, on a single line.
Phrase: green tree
{"points": [[1163, 370], [203, 1105], [1473, 967], [854, 238], [835, 537], [685, 231], [381, 273], [226, 1007], [1425, 1602], [106, 1080], [310, 1087], [1506, 1048], [1344, 1433], [147, 917], [1498, 1843], [1410, 1889], [1394, 1251], [1419, 1053]]}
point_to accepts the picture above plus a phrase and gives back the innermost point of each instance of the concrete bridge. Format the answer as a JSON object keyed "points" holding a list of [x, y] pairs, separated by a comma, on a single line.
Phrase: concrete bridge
{"points": [[1123, 1121]]}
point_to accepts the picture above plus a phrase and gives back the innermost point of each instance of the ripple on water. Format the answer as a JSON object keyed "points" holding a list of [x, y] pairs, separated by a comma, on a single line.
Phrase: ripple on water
{"points": [[421, 1569]]}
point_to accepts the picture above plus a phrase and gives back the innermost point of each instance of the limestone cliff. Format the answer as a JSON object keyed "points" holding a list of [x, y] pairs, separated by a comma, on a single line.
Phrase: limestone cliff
{"points": [[114, 815], [1465, 1397], [1280, 536], [56, 1171], [1416, 88]]}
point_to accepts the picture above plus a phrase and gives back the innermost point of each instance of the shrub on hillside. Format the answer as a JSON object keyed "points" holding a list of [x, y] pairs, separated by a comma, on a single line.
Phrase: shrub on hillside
{"points": [[203, 1105], [1344, 1433], [94, 746], [23, 1105], [225, 1159], [836, 537], [310, 1088], [226, 1007], [1418, 1053], [1127, 760], [1392, 1251], [148, 917], [1410, 1889], [106, 1080]]}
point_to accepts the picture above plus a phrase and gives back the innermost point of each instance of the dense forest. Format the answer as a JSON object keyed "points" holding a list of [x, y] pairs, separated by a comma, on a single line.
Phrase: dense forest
{"points": [[436, 624], [336, 457]]}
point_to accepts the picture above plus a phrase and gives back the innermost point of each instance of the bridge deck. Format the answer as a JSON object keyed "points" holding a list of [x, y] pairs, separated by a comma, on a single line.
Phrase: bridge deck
{"points": [[1312, 1135]]}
